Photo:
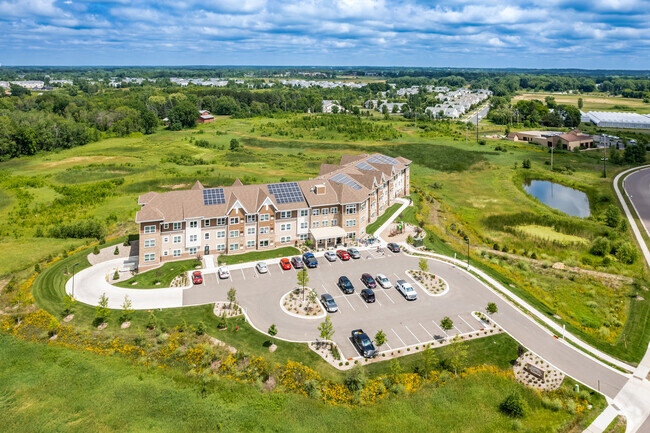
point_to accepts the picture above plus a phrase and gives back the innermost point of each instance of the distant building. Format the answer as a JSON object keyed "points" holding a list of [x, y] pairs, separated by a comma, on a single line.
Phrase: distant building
{"points": [[610, 119], [205, 117], [328, 106], [570, 141]]}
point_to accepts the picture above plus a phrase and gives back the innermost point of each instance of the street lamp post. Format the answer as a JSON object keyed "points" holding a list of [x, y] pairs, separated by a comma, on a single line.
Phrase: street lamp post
{"points": [[73, 266], [467, 240]]}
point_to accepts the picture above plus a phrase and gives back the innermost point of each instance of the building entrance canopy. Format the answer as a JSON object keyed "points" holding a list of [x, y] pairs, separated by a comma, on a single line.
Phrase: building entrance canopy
{"points": [[325, 233]]}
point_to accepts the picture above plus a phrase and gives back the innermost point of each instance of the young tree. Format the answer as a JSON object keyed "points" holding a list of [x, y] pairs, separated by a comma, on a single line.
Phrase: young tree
{"points": [[424, 265], [232, 297], [101, 310], [235, 145], [429, 359], [580, 103], [514, 405], [446, 323], [303, 279], [116, 275], [457, 352], [525, 163], [312, 297], [68, 304], [117, 251], [380, 338], [356, 379], [273, 331], [201, 328], [612, 216], [326, 329], [492, 308], [127, 309]]}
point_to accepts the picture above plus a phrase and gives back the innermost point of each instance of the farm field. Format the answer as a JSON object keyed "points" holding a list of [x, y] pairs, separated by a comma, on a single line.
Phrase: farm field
{"points": [[592, 102]]}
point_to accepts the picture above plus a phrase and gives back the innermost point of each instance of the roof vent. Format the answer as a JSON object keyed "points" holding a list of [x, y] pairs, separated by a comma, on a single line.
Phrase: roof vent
{"points": [[320, 189]]}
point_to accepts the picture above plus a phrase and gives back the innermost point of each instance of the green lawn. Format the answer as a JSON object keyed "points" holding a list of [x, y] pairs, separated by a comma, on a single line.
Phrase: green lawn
{"points": [[370, 229], [49, 388], [255, 256], [159, 277]]}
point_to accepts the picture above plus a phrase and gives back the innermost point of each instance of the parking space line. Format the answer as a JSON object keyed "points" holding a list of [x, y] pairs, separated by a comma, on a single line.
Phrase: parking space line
{"points": [[325, 288], [269, 270], [400, 338], [349, 303], [397, 276], [389, 348], [365, 304], [407, 328], [242, 273], [425, 330], [353, 346], [386, 293], [443, 331], [466, 322], [459, 331]]}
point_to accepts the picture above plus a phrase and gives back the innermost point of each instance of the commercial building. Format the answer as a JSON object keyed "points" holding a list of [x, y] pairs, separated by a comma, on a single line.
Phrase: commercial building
{"points": [[559, 140], [609, 119], [331, 209]]}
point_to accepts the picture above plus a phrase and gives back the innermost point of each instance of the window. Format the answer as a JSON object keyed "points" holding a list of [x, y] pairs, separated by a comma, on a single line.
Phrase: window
{"points": [[350, 223], [285, 239], [304, 225], [334, 210], [325, 223], [350, 209], [194, 224], [264, 243], [177, 253], [149, 257], [335, 222], [285, 227], [149, 243], [177, 226], [221, 234], [221, 247], [363, 205], [250, 218], [233, 233], [304, 212], [178, 239], [363, 219], [250, 244], [325, 211], [351, 235], [234, 220], [166, 253], [193, 251], [166, 239], [264, 217], [221, 221], [207, 223], [234, 247], [314, 224], [150, 229], [194, 238], [285, 214], [250, 231], [303, 237], [315, 212], [166, 226], [264, 230], [206, 236]]}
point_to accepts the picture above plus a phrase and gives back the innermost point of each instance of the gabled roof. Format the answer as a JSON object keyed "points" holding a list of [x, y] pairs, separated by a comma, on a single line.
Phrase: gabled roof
{"points": [[237, 182], [197, 185]]}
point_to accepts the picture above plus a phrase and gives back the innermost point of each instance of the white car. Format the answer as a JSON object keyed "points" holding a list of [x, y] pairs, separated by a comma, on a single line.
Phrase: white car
{"points": [[383, 281], [261, 268], [406, 290], [330, 256], [224, 272]]}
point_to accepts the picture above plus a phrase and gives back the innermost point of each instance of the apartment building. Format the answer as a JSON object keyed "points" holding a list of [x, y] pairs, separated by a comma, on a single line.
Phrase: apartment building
{"points": [[331, 209]]}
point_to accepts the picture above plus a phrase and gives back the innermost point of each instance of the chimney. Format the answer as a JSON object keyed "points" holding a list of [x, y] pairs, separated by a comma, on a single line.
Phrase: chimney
{"points": [[320, 189]]}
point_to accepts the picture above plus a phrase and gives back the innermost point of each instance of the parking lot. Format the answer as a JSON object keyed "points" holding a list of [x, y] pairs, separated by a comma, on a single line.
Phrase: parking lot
{"points": [[405, 323]]}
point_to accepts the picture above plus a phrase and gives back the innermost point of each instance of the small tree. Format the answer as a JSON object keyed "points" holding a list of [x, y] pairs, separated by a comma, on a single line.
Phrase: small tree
{"points": [[446, 323], [514, 405], [410, 240], [424, 265], [380, 338], [580, 103], [312, 297], [68, 304], [612, 216], [526, 163], [127, 309], [395, 369], [37, 268], [303, 279], [96, 250], [429, 359], [356, 379], [326, 329], [101, 310], [273, 331], [232, 297], [117, 251], [235, 145], [457, 352], [492, 308], [152, 322], [116, 275], [201, 328]]}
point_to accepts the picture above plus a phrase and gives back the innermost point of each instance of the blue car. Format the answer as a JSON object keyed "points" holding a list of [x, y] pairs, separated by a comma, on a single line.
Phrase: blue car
{"points": [[309, 260]]}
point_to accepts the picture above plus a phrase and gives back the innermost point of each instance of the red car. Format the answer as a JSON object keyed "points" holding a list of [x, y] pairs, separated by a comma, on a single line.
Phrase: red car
{"points": [[285, 264], [197, 278], [343, 255]]}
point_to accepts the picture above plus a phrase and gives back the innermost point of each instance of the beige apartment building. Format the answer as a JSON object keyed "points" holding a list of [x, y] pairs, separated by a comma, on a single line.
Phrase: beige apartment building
{"points": [[332, 209]]}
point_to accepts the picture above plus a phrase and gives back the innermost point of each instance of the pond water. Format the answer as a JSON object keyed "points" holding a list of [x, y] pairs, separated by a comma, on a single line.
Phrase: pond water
{"points": [[568, 200]]}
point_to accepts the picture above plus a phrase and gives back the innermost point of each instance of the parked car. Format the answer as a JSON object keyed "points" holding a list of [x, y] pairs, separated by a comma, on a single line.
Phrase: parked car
{"points": [[328, 302], [345, 285], [354, 253], [197, 278], [330, 256], [393, 247], [368, 295], [285, 264], [363, 343], [224, 272], [343, 255], [383, 281], [296, 262], [368, 281], [309, 260], [406, 290], [262, 268]]}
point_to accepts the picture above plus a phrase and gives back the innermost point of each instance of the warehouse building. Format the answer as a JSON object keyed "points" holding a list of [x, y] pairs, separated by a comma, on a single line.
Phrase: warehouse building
{"points": [[607, 119]]}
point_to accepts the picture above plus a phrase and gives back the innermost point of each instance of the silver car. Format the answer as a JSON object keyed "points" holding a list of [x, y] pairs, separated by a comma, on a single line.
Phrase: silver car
{"points": [[383, 281], [261, 268], [406, 290], [330, 256]]}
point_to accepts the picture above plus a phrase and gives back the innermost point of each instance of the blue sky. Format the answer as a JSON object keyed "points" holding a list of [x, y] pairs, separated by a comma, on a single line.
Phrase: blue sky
{"points": [[596, 34]]}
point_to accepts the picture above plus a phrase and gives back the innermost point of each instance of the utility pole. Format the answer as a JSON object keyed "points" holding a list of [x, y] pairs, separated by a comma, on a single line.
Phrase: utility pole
{"points": [[605, 160], [477, 127], [467, 239], [551, 157], [73, 266]]}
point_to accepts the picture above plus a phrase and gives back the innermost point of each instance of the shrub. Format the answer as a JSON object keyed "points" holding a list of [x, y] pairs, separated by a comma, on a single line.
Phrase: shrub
{"points": [[514, 405], [600, 247], [201, 328], [117, 251], [152, 322], [78, 230], [626, 253]]}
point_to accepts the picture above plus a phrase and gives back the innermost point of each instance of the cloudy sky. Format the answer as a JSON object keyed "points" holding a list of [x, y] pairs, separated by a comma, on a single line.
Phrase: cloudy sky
{"points": [[590, 34]]}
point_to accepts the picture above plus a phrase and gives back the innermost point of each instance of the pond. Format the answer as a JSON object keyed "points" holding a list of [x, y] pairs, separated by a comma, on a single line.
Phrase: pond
{"points": [[568, 200]]}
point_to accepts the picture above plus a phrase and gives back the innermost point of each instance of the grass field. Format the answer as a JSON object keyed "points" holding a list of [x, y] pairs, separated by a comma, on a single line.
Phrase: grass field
{"points": [[255, 256], [372, 228], [593, 102], [159, 277], [549, 234]]}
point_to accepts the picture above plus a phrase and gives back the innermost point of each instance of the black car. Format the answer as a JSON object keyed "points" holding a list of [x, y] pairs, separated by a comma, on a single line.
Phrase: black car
{"points": [[363, 343], [393, 247], [368, 281], [354, 253], [328, 302], [368, 295], [345, 285], [309, 260]]}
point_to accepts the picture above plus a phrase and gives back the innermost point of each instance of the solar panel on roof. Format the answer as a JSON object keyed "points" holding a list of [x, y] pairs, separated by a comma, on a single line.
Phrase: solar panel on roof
{"points": [[382, 159], [365, 166], [341, 178], [213, 196], [288, 192]]}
